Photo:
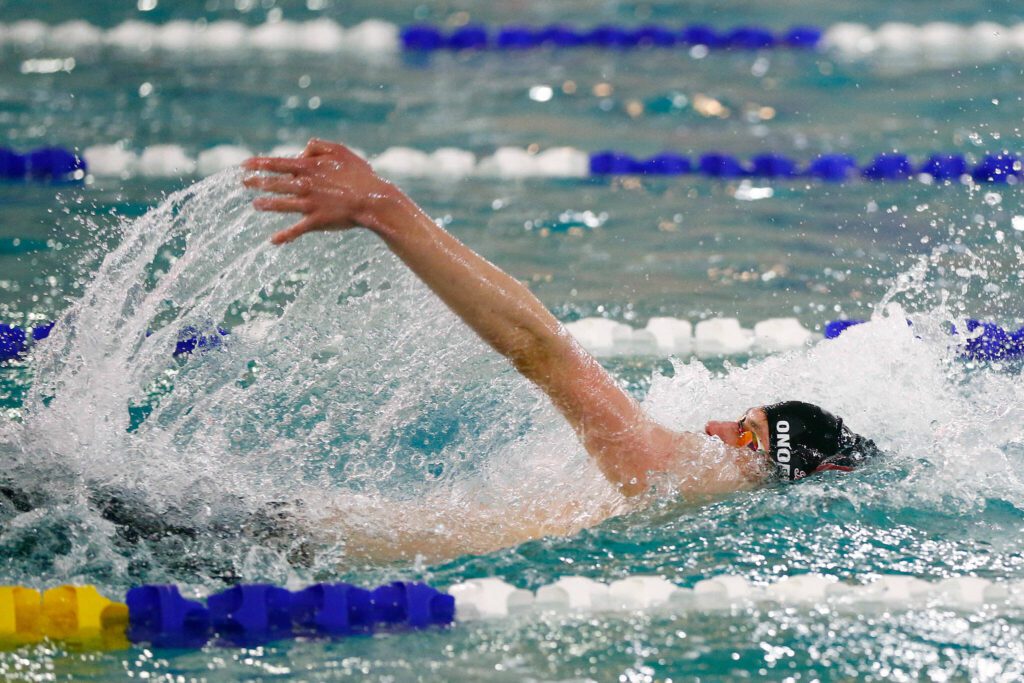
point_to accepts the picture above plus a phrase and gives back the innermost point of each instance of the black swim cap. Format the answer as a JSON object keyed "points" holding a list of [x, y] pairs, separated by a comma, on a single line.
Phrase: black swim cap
{"points": [[804, 438]]}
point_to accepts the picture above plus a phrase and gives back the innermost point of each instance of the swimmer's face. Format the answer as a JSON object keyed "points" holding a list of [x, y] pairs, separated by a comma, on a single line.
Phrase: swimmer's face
{"points": [[749, 431]]}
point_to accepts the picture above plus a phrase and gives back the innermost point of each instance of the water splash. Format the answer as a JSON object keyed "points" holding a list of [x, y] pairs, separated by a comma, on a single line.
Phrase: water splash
{"points": [[344, 391], [349, 406]]}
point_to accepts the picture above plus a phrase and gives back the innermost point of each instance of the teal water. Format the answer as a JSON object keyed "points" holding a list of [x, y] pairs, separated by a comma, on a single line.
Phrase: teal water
{"points": [[345, 388]]}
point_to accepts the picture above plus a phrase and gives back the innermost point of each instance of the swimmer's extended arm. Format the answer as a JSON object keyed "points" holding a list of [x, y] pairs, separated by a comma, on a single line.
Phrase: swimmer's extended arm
{"points": [[336, 190], [434, 531]]}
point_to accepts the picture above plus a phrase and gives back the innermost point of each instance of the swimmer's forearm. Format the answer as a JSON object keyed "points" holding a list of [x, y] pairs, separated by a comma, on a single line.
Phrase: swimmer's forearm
{"points": [[401, 532], [494, 304]]}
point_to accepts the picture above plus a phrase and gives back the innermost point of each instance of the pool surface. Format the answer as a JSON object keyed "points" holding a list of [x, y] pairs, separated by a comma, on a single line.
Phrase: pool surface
{"points": [[345, 390]]}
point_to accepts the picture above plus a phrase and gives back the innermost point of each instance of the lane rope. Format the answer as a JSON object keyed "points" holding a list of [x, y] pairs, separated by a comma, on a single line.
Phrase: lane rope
{"points": [[937, 42], [248, 615], [661, 337], [568, 162], [173, 161]]}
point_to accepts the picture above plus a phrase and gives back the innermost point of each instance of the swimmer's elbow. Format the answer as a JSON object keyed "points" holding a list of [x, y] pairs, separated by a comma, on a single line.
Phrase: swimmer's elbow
{"points": [[535, 352]]}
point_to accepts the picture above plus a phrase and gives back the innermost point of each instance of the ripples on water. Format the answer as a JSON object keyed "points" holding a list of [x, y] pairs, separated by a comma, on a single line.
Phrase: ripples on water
{"points": [[345, 388], [344, 385]]}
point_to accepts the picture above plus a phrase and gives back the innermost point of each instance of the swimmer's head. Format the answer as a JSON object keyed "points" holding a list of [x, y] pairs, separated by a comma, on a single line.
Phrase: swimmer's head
{"points": [[799, 438]]}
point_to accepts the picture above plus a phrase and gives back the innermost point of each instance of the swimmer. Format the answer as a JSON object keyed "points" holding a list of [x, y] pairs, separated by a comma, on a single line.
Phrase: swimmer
{"points": [[334, 189]]}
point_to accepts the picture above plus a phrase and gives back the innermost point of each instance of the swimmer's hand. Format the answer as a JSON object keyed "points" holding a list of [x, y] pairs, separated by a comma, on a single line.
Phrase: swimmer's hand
{"points": [[329, 184]]}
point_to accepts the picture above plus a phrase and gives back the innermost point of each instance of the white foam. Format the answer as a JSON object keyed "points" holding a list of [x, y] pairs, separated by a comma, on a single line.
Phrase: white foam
{"points": [[165, 161], [218, 158]]}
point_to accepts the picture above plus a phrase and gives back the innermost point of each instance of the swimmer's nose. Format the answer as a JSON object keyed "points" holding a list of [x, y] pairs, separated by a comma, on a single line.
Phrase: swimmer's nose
{"points": [[729, 432]]}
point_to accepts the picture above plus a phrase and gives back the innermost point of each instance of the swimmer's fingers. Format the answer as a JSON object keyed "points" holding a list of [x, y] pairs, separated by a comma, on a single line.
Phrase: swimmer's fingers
{"points": [[282, 204], [275, 165], [317, 147], [294, 232], [278, 184]]}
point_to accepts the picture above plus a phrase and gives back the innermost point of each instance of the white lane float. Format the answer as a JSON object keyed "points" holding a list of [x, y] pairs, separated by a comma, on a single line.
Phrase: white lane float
{"points": [[495, 599], [113, 160], [664, 336]]}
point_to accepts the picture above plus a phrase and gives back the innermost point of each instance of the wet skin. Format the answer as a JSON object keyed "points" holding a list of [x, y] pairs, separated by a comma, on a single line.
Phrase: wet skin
{"points": [[751, 430]]}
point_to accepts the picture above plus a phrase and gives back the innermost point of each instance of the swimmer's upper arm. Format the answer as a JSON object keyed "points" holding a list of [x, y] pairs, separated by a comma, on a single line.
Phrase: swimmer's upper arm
{"points": [[610, 423], [627, 444]]}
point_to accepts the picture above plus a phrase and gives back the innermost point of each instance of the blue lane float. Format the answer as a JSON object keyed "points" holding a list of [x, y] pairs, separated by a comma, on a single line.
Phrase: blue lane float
{"points": [[192, 339], [889, 166], [12, 342], [161, 616], [429, 38], [45, 163], [338, 609], [15, 340], [252, 614], [985, 341]]}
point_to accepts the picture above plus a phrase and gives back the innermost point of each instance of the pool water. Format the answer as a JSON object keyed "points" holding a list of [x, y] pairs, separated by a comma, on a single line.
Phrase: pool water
{"points": [[345, 388]]}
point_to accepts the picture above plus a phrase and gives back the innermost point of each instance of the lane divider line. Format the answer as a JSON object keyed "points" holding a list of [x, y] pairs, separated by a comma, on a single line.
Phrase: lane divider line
{"points": [[937, 42], [246, 615], [661, 337], [169, 161]]}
